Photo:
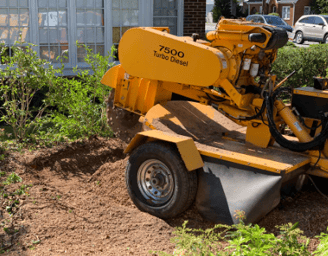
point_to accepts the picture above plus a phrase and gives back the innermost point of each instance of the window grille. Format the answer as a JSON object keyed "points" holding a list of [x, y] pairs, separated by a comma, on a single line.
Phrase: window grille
{"points": [[53, 30], [14, 23], [125, 14], [166, 14], [90, 27]]}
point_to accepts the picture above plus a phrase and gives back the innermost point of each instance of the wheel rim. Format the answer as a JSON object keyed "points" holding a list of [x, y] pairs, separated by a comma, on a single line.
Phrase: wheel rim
{"points": [[155, 182], [326, 41], [299, 38]]}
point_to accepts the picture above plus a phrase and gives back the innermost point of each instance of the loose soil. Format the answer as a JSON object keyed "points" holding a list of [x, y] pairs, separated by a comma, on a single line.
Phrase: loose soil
{"points": [[78, 205]]}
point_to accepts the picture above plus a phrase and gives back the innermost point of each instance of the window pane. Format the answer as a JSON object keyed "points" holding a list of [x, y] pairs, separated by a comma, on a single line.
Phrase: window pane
{"points": [[25, 32], [116, 4], [3, 2], [80, 17], [99, 3], [63, 35], [43, 35], [116, 17], [116, 35], [130, 4], [43, 3], [162, 9], [62, 3], [90, 35], [13, 3], [62, 17], [4, 32], [52, 4], [23, 3], [3, 17], [100, 35], [13, 17], [99, 17], [14, 35], [80, 35], [24, 17], [100, 49]]}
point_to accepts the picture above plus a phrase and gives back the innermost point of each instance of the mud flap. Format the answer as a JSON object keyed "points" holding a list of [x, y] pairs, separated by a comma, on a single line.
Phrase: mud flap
{"points": [[224, 187]]}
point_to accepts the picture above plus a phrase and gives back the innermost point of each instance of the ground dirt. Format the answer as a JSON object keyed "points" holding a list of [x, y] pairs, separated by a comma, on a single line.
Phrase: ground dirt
{"points": [[78, 205]]}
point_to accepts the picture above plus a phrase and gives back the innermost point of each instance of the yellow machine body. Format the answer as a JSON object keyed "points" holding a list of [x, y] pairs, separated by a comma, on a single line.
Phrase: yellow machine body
{"points": [[223, 120]]}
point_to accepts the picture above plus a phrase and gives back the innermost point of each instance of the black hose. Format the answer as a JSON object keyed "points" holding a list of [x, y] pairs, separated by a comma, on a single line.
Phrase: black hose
{"points": [[292, 145]]}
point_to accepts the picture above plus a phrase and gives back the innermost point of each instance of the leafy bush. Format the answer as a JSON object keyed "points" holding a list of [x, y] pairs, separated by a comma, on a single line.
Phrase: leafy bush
{"points": [[307, 62], [79, 107], [24, 76], [243, 240], [274, 14]]}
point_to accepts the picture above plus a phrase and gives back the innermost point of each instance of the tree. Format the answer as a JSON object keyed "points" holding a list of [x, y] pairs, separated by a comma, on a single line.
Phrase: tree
{"points": [[319, 6], [221, 8]]}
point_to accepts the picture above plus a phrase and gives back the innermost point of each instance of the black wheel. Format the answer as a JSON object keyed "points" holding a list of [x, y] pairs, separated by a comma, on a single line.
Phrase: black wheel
{"points": [[158, 181], [299, 39], [325, 39]]}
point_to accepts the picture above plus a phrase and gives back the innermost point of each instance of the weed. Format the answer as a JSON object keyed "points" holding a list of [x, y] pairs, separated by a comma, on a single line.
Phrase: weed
{"points": [[12, 178], [244, 240]]}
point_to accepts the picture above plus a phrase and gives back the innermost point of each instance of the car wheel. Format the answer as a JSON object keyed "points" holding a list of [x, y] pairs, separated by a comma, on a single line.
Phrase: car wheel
{"points": [[158, 181], [325, 39], [299, 37]]}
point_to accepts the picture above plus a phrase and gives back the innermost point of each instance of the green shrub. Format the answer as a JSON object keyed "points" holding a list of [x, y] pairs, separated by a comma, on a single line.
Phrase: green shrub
{"points": [[308, 62], [24, 76], [243, 240], [274, 14], [79, 107]]}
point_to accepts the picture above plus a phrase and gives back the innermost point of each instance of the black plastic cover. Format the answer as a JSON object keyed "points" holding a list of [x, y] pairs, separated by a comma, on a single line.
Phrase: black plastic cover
{"points": [[257, 37], [225, 187], [278, 39]]}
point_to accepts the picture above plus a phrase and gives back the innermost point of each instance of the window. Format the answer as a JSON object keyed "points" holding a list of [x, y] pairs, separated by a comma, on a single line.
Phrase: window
{"points": [[274, 9], [311, 20], [307, 10], [14, 22], [261, 20], [53, 29], [166, 14], [286, 12], [261, 8], [125, 14], [55, 25], [318, 20], [90, 27]]}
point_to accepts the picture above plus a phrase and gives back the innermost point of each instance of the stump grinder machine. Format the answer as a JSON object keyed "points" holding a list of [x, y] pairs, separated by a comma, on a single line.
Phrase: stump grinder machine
{"points": [[213, 121]]}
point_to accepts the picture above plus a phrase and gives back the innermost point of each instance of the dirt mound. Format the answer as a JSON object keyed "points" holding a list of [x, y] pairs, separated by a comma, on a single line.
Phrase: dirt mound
{"points": [[78, 205]]}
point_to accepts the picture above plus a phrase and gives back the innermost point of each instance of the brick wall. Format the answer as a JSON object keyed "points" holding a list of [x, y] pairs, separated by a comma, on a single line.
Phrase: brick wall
{"points": [[299, 8], [194, 17], [254, 8]]}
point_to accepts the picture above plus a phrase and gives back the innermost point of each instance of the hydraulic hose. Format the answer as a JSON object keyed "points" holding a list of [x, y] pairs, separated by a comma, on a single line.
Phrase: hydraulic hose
{"points": [[292, 145]]}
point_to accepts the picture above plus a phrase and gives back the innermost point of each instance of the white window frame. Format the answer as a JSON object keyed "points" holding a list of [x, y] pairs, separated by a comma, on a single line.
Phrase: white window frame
{"points": [[285, 13], [145, 20], [307, 8], [261, 9], [274, 9]]}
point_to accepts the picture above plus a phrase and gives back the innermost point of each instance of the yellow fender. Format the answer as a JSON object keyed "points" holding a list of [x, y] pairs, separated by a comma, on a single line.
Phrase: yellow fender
{"points": [[186, 146]]}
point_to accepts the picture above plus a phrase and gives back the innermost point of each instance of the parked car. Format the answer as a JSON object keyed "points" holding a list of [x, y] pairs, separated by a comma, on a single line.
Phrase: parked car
{"points": [[270, 20], [311, 28]]}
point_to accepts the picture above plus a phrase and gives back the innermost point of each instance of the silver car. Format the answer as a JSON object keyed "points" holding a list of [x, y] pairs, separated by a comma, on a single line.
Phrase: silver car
{"points": [[311, 28]]}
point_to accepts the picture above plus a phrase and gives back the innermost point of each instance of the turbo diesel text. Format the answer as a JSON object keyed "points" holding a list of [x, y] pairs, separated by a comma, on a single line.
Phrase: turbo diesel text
{"points": [[173, 55]]}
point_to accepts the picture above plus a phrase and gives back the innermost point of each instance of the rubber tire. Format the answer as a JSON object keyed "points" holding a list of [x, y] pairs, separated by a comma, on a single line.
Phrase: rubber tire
{"points": [[325, 39], [185, 182], [302, 40]]}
